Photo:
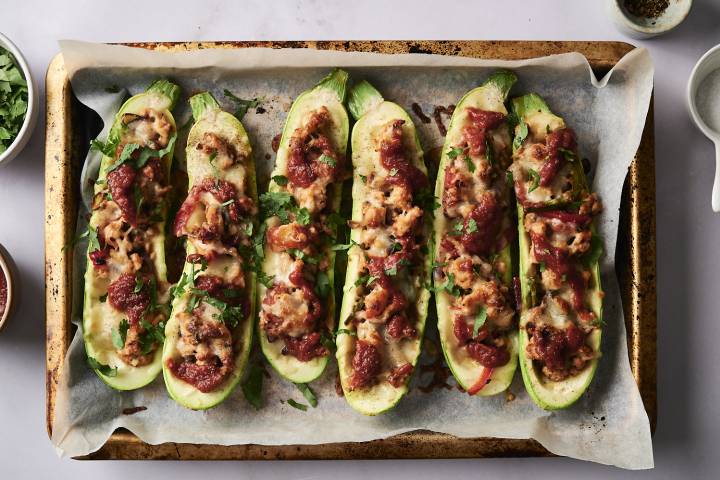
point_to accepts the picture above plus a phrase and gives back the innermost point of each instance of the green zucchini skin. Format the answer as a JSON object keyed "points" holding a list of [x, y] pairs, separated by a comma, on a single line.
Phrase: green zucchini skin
{"points": [[532, 110], [209, 118], [330, 92], [491, 96], [99, 319], [370, 110]]}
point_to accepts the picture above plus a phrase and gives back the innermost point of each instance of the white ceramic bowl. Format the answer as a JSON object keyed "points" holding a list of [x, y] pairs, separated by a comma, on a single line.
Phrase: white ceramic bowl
{"points": [[641, 28], [708, 63], [32, 111]]}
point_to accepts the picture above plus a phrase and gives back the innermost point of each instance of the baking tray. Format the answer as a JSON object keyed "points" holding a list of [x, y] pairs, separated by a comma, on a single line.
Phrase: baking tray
{"points": [[67, 138]]}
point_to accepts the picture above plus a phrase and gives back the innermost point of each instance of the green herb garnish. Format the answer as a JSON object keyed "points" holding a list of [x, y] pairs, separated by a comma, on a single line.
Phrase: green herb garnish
{"points": [[102, 368], [13, 99], [307, 393], [535, 178], [119, 335], [327, 159], [297, 405], [252, 388], [241, 105], [479, 321]]}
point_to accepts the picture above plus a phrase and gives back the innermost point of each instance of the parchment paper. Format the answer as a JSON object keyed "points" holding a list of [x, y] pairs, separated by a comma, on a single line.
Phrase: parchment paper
{"points": [[608, 425]]}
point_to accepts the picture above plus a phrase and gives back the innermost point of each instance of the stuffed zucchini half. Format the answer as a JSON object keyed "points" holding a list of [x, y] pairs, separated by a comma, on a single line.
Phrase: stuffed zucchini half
{"points": [[296, 287], [385, 298], [209, 333], [474, 232], [126, 285], [559, 254]]}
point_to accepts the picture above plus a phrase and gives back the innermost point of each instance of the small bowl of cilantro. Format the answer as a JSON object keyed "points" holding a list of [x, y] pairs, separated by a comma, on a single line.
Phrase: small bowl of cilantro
{"points": [[18, 101]]}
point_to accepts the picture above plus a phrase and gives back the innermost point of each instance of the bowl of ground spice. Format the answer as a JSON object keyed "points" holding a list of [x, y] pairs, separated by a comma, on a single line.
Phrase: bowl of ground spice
{"points": [[7, 286], [648, 18], [18, 101]]}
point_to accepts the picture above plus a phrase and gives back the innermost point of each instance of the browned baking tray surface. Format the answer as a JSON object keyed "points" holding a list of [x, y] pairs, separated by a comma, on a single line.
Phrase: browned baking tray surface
{"points": [[635, 258]]}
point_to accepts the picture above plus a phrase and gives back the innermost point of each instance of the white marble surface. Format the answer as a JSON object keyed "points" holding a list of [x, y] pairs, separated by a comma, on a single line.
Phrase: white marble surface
{"points": [[688, 390]]}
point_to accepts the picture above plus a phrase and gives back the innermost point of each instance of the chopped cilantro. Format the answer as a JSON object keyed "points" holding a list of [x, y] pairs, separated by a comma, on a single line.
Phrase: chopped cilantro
{"points": [[365, 280], [241, 105], [479, 321], [280, 180], [363, 178], [13, 99], [472, 226], [521, 132], [252, 387], [307, 393], [119, 335], [344, 246], [327, 159], [454, 152], [302, 216], [102, 368], [470, 164], [103, 298], [138, 284], [297, 405], [568, 154], [535, 178]]}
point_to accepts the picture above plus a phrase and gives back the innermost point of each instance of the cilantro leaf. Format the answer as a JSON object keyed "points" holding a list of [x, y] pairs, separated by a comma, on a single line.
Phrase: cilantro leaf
{"points": [[119, 335], [252, 387], [241, 105], [520, 134], [281, 180], [479, 321], [454, 152], [307, 393], [297, 405], [102, 368], [535, 178], [327, 159], [13, 99]]}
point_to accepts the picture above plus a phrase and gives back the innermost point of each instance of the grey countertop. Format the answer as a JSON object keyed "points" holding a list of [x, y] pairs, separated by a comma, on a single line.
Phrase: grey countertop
{"points": [[688, 326]]}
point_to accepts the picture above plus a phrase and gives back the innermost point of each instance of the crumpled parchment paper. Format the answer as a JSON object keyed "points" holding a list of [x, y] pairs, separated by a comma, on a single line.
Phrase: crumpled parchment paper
{"points": [[608, 425]]}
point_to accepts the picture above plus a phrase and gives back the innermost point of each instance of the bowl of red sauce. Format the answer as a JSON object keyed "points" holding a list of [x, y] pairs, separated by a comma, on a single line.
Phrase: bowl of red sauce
{"points": [[7, 290]]}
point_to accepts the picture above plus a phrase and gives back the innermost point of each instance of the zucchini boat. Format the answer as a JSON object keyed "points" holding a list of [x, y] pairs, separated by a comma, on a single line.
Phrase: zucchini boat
{"points": [[296, 288], [209, 333], [559, 258], [385, 298], [126, 286], [473, 273]]}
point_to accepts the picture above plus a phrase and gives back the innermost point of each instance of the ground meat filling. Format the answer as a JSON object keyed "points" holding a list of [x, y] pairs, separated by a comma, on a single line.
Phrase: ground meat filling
{"points": [[475, 204], [560, 241], [543, 172], [391, 232], [216, 218], [313, 161], [207, 353], [292, 311], [127, 209], [130, 294]]}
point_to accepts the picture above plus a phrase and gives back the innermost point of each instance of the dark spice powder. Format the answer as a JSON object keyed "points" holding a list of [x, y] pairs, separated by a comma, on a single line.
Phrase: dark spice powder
{"points": [[646, 8]]}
